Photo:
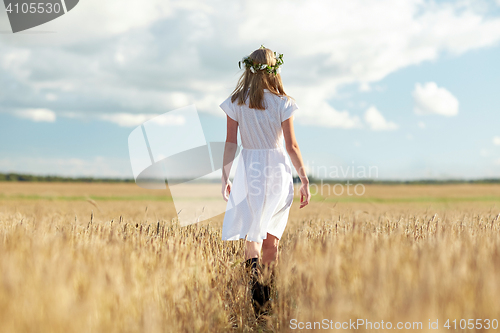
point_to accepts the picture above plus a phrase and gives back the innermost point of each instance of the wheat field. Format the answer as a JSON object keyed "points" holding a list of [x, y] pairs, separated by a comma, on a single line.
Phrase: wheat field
{"points": [[113, 258]]}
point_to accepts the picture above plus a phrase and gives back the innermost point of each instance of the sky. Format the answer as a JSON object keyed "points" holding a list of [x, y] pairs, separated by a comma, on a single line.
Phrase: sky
{"points": [[389, 89]]}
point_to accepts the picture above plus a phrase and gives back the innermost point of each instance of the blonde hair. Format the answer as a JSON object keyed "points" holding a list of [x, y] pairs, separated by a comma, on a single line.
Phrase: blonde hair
{"points": [[252, 85]]}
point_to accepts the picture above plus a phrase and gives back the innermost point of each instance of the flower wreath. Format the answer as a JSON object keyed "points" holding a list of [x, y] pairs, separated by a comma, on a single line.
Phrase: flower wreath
{"points": [[259, 67]]}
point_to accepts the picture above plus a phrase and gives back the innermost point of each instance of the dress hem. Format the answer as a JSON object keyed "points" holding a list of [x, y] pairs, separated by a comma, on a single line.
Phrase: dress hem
{"points": [[239, 237]]}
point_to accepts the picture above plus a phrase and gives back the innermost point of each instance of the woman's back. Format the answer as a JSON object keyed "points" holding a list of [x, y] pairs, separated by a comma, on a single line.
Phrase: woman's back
{"points": [[259, 202], [261, 129]]}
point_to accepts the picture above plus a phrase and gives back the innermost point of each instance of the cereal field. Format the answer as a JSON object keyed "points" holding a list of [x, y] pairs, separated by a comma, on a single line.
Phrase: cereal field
{"points": [[113, 258]]}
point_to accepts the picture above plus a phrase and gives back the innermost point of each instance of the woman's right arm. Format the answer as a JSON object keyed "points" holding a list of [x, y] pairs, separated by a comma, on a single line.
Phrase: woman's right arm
{"points": [[292, 147], [229, 153]]}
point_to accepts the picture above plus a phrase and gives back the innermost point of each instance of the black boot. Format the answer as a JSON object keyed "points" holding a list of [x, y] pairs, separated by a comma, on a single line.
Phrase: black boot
{"points": [[257, 289], [269, 290]]}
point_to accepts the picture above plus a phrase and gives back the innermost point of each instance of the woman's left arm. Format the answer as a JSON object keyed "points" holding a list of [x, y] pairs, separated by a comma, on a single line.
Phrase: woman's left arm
{"points": [[229, 153]]}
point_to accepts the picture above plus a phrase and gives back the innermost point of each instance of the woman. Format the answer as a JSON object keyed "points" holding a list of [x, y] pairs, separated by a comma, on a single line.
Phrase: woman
{"points": [[259, 200]]}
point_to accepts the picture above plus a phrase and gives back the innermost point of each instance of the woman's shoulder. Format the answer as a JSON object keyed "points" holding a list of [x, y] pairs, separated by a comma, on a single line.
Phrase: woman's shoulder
{"points": [[287, 100], [272, 94]]}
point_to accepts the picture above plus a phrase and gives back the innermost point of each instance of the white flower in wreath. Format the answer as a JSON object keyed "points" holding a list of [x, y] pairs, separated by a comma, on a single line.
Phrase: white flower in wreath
{"points": [[252, 70], [278, 70], [263, 66]]}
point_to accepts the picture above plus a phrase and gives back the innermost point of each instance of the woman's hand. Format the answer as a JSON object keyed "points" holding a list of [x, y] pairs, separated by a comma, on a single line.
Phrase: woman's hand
{"points": [[226, 189], [305, 195]]}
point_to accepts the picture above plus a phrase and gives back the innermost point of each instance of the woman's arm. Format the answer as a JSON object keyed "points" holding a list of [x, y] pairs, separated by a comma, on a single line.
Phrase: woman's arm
{"points": [[292, 147], [229, 153]]}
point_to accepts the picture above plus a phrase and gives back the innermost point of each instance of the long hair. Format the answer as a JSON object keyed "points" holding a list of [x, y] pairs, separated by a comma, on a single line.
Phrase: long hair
{"points": [[253, 84]]}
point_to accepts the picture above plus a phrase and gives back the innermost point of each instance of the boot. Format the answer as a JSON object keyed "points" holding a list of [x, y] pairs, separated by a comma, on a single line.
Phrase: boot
{"points": [[269, 290], [257, 289]]}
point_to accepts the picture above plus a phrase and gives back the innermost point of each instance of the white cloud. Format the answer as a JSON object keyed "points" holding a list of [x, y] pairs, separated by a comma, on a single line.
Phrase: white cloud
{"points": [[326, 116], [484, 152], [421, 124], [377, 122], [365, 87], [315, 111], [431, 99], [496, 140], [166, 54], [37, 115], [169, 120], [127, 119], [364, 41], [73, 115], [14, 61], [51, 97], [132, 120]]}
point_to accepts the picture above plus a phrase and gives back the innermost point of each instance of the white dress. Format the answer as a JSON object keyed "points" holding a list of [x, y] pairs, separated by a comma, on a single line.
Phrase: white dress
{"points": [[262, 191]]}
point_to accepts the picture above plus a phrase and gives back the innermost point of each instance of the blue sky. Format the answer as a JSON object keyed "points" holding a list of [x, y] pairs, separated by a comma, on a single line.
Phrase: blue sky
{"points": [[409, 88]]}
